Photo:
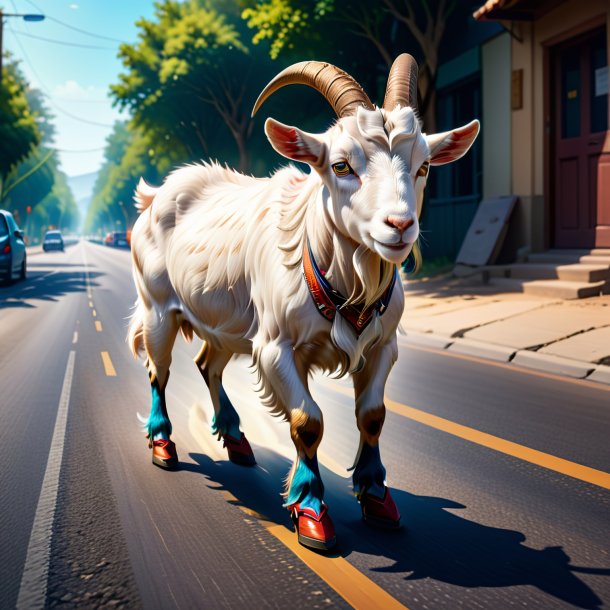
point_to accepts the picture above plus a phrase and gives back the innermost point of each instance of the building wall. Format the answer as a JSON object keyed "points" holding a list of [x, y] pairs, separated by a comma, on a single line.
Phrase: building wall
{"points": [[496, 130], [528, 123]]}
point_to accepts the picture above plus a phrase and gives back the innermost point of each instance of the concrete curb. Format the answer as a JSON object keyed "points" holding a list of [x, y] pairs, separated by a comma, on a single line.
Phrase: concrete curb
{"points": [[553, 364], [547, 363], [601, 374], [489, 351], [426, 340]]}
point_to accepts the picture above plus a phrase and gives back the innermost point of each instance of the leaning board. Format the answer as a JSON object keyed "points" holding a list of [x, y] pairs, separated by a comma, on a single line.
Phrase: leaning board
{"points": [[487, 231]]}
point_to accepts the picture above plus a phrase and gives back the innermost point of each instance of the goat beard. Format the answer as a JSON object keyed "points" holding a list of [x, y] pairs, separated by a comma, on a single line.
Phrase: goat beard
{"points": [[372, 275]]}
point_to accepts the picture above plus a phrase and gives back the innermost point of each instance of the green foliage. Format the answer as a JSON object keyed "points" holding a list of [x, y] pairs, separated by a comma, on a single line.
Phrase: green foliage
{"points": [[128, 156], [283, 21], [29, 173], [185, 81], [18, 131], [43, 117]]}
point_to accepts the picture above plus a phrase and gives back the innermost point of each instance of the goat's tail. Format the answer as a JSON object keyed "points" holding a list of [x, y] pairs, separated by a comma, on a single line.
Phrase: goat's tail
{"points": [[144, 195], [135, 332]]}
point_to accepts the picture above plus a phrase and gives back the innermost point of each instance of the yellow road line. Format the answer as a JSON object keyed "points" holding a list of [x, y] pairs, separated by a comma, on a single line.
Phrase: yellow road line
{"points": [[571, 469], [108, 366], [353, 586], [91, 304], [98, 326], [94, 313]]}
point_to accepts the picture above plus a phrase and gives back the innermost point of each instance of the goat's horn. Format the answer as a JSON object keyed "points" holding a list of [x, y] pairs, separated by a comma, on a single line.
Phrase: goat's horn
{"points": [[341, 91], [402, 83]]}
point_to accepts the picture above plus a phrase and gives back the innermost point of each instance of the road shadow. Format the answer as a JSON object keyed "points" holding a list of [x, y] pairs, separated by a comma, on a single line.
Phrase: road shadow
{"points": [[434, 543], [44, 288]]}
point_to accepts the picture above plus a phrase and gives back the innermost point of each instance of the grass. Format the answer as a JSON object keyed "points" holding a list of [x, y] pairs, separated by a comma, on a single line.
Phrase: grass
{"points": [[429, 268]]}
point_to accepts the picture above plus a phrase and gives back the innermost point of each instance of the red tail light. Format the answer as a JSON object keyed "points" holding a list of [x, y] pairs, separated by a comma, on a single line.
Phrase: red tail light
{"points": [[7, 249]]}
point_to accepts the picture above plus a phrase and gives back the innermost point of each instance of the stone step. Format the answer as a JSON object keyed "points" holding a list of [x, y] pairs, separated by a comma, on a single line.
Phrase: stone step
{"points": [[570, 273], [595, 259], [561, 289], [507, 284], [555, 289], [568, 258], [556, 257], [581, 251]]}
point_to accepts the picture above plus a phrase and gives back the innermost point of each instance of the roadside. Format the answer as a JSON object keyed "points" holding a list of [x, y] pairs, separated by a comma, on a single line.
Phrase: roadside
{"points": [[570, 338]]}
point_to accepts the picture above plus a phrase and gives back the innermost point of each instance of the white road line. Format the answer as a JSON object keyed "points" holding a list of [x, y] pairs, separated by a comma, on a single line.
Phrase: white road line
{"points": [[33, 588], [75, 337]]}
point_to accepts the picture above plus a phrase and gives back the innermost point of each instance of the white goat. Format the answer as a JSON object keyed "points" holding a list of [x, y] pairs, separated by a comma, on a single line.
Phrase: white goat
{"points": [[223, 255]]}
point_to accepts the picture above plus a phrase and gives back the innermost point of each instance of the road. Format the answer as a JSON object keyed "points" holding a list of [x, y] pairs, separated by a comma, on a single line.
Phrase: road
{"points": [[87, 521]]}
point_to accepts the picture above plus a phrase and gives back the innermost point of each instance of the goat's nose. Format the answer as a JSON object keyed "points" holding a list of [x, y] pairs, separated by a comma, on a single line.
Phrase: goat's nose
{"points": [[401, 223]]}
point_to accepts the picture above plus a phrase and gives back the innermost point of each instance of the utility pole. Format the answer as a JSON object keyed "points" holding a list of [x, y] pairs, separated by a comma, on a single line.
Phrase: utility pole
{"points": [[26, 17]]}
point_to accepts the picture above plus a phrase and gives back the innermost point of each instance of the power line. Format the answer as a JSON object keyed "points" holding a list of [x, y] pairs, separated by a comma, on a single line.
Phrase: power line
{"points": [[61, 42], [84, 151], [71, 27], [50, 95]]}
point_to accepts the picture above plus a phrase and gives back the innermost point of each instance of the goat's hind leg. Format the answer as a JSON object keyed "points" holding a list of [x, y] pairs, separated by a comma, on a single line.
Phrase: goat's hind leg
{"points": [[211, 363], [159, 333]]}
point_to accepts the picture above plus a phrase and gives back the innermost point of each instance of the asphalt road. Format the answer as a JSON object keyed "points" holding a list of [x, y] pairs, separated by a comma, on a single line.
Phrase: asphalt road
{"points": [[487, 523]]}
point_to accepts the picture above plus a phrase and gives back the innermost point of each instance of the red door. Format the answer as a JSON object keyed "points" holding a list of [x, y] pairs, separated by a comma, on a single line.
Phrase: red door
{"points": [[581, 143]]}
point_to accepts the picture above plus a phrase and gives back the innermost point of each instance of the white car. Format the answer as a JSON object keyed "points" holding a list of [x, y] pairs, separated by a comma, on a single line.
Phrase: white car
{"points": [[53, 240]]}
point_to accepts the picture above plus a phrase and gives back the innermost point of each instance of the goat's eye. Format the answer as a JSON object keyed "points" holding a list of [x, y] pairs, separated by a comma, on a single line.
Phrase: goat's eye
{"points": [[342, 169], [423, 170]]}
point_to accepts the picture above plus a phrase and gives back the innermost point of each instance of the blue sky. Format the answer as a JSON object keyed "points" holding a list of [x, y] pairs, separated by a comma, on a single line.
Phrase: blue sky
{"points": [[75, 78]]}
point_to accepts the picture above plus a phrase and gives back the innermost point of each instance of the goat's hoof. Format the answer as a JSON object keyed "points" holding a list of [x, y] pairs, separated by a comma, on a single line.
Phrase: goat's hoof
{"points": [[314, 531], [380, 512], [164, 454], [239, 450]]}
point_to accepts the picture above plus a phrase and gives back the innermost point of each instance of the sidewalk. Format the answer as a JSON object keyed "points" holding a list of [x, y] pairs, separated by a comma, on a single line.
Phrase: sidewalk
{"points": [[570, 338]]}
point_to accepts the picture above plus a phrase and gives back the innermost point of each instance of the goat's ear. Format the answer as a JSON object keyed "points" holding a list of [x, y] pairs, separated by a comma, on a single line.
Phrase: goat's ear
{"points": [[451, 145], [295, 144]]}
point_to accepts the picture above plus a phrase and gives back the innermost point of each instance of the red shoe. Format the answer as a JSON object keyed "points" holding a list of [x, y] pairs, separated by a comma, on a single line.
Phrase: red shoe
{"points": [[164, 454], [380, 512], [239, 451], [314, 531]]}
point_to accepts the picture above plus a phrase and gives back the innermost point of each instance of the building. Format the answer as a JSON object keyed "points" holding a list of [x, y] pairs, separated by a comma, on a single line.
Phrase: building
{"points": [[546, 115]]}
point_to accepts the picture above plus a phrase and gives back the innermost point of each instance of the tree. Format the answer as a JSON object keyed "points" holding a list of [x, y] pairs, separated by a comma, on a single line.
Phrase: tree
{"points": [[18, 131], [389, 26], [187, 80], [128, 156]]}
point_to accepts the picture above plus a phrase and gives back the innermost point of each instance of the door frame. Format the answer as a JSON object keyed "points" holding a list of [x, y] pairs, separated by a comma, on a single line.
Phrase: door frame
{"points": [[549, 109]]}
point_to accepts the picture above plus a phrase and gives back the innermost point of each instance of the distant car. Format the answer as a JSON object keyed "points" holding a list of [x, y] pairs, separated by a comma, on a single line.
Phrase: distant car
{"points": [[119, 239], [13, 263], [53, 241]]}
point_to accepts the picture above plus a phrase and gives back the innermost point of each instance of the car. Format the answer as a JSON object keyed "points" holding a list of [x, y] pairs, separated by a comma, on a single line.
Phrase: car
{"points": [[13, 257], [53, 240], [119, 239]]}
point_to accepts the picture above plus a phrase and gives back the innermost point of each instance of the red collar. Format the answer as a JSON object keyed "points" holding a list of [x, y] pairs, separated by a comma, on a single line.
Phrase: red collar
{"points": [[329, 301]]}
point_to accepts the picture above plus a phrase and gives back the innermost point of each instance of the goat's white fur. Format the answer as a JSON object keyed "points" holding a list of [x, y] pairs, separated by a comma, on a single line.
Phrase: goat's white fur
{"points": [[219, 253]]}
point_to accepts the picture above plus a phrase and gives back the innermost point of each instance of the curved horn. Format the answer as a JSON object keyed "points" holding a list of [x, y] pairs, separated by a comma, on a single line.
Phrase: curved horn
{"points": [[402, 83], [341, 91]]}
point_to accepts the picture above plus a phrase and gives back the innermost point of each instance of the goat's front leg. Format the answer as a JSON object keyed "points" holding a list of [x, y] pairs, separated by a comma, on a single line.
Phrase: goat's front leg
{"points": [[368, 477], [285, 389]]}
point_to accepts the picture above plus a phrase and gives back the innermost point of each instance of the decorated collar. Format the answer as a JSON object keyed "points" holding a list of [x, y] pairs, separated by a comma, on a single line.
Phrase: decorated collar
{"points": [[329, 301]]}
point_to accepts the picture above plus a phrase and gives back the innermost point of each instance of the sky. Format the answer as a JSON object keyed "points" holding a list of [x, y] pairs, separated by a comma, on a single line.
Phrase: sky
{"points": [[75, 79]]}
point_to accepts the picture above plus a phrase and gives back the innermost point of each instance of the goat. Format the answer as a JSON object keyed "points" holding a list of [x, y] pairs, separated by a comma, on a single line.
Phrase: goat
{"points": [[222, 255]]}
